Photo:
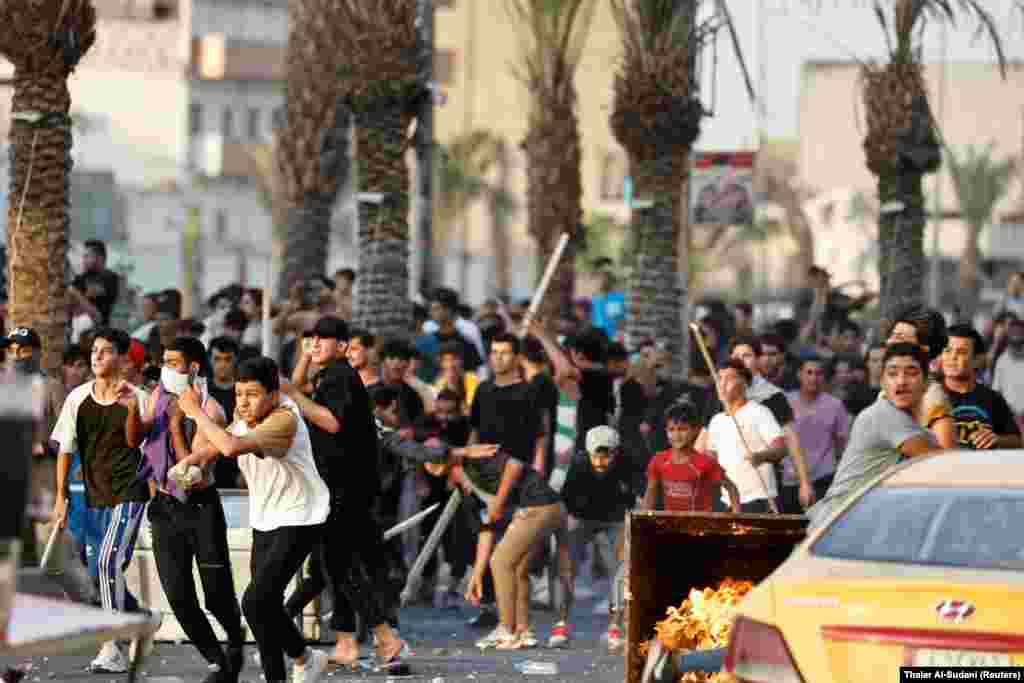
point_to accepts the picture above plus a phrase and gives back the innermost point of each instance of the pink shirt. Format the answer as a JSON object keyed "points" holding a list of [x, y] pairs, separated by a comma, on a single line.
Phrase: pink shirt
{"points": [[817, 425]]}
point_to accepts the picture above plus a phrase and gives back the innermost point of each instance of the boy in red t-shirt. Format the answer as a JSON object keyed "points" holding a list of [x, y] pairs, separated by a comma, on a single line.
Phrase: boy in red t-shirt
{"points": [[685, 477]]}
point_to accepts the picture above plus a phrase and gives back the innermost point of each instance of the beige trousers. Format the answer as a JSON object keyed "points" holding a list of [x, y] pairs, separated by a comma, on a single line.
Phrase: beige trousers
{"points": [[510, 563]]}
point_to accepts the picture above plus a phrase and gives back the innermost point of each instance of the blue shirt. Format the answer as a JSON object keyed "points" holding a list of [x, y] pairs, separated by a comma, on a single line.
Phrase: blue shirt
{"points": [[608, 311]]}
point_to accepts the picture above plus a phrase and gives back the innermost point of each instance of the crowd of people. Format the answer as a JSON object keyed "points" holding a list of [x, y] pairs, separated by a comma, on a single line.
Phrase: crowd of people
{"points": [[549, 429]]}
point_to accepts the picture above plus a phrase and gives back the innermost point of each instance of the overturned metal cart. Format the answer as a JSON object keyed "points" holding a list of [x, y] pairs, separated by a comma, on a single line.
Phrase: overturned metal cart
{"points": [[671, 553]]}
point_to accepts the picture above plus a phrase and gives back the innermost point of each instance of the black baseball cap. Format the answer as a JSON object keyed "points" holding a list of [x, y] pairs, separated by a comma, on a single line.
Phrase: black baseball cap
{"points": [[331, 327], [23, 336]]}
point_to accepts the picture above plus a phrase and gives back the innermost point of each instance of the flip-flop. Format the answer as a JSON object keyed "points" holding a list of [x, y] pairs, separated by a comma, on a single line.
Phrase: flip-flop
{"points": [[394, 668]]}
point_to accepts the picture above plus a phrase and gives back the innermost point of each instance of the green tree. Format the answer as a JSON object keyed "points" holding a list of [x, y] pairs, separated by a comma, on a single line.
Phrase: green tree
{"points": [[463, 167], [44, 40], [553, 34], [901, 144], [980, 183]]}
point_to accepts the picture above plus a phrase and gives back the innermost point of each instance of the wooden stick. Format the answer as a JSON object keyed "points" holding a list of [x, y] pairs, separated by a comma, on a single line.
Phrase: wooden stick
{"points": [[746, 447], [545, 282]]}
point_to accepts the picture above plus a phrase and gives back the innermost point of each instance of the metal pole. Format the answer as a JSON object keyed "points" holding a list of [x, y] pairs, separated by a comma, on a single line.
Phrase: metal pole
{"points": [[424, 276], [412, 582], [936, 269]]}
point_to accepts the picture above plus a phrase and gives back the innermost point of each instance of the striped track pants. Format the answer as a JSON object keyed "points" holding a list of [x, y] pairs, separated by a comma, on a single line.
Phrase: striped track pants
{"points": [[115, 553]]}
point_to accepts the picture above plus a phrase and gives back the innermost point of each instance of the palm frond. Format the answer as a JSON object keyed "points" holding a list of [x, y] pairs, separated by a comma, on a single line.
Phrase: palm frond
{"points": [[884, 22], [980, 182]]}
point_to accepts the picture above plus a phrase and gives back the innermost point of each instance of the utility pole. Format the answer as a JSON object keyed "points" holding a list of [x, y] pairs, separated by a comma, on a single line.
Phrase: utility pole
{"points": [[936, 266], [424, 275]]}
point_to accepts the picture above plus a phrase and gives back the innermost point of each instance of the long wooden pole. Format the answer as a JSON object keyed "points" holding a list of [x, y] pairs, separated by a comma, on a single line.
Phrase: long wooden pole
{"points": [[699, 336], [545, 282]]}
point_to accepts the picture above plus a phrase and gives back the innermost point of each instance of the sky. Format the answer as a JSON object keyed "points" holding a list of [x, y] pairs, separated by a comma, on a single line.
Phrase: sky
{"points": [[793, 32]]}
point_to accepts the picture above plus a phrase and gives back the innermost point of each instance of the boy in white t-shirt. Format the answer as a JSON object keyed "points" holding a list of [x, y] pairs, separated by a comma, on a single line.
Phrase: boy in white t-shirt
{"points": [[752, 471], [288, 503]]}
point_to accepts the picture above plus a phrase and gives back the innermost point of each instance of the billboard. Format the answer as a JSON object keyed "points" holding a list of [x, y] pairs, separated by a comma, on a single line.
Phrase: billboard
{"points": [[722, 188]]}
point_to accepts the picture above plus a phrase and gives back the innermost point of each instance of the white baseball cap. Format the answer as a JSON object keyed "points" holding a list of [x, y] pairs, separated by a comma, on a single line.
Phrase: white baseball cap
{"points": [[602, 437]]}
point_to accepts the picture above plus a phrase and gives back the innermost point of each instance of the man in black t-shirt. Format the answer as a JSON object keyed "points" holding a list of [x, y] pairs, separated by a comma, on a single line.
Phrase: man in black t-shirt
{"points": [[344, 439], [596, 405], [99, 285], [395, 356], [502, 414], [224, 353], [983, 417], [545, 398]]}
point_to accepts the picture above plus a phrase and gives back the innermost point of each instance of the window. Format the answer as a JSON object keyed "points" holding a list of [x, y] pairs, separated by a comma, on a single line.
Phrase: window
{"points": [[278, 118], [254, 124], [444, 66], [227, 123], [941, 526], [195, 119], [614, 169]]}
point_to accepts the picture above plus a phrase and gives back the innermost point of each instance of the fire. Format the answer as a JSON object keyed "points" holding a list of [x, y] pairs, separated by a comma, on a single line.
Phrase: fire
{"points": [[702, 622]]}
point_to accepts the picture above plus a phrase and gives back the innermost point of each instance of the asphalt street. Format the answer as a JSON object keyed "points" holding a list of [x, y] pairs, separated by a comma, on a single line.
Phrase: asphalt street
{"points": [[442, 644]]}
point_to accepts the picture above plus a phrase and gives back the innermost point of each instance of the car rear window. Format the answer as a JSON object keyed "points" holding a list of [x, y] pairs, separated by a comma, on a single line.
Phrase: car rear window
{"points": [[952, 527]]}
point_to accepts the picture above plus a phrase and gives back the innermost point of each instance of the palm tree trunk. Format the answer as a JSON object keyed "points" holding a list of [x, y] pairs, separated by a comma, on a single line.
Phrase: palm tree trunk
{"points": [[970, 286], [307, 228], [499, 223], [37, 215], [654, 301], [554, 192], [382, 288], [902, 266]]}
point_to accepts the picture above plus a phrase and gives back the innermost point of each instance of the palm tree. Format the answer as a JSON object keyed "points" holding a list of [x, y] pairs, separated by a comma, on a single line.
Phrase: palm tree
{"points": [[656, 117], [553, 34], [501, 205], [980, 182], [778, 181], [313, 144], [464, 165], [44, 40], [901, 144], [383, 89]]}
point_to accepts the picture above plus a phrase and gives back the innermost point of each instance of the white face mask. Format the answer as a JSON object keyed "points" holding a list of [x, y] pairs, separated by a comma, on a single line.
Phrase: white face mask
{"points": [[175, 382]]}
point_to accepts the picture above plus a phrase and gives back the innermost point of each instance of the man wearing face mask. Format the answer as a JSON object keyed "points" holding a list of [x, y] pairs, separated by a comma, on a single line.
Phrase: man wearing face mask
{"points": [[1008, 378], [190, 524]]}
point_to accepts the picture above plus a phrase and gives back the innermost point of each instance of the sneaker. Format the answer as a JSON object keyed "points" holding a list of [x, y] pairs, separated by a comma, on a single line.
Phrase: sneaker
{"points": [[499, 636], [487, 618], [614, 638], [313, 671], [560, 635], [110, 660], [527, 638]]}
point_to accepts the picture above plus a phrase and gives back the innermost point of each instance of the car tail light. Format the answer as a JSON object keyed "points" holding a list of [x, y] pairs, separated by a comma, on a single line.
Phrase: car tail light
{"points": [[758, 654]]}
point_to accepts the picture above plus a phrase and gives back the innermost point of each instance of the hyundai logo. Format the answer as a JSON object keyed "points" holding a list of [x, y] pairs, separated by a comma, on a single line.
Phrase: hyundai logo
{"points": [[955, 611]]}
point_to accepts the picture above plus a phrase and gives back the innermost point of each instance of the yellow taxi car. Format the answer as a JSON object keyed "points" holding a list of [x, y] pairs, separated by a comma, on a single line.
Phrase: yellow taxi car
{"points": [[924, 566]]}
